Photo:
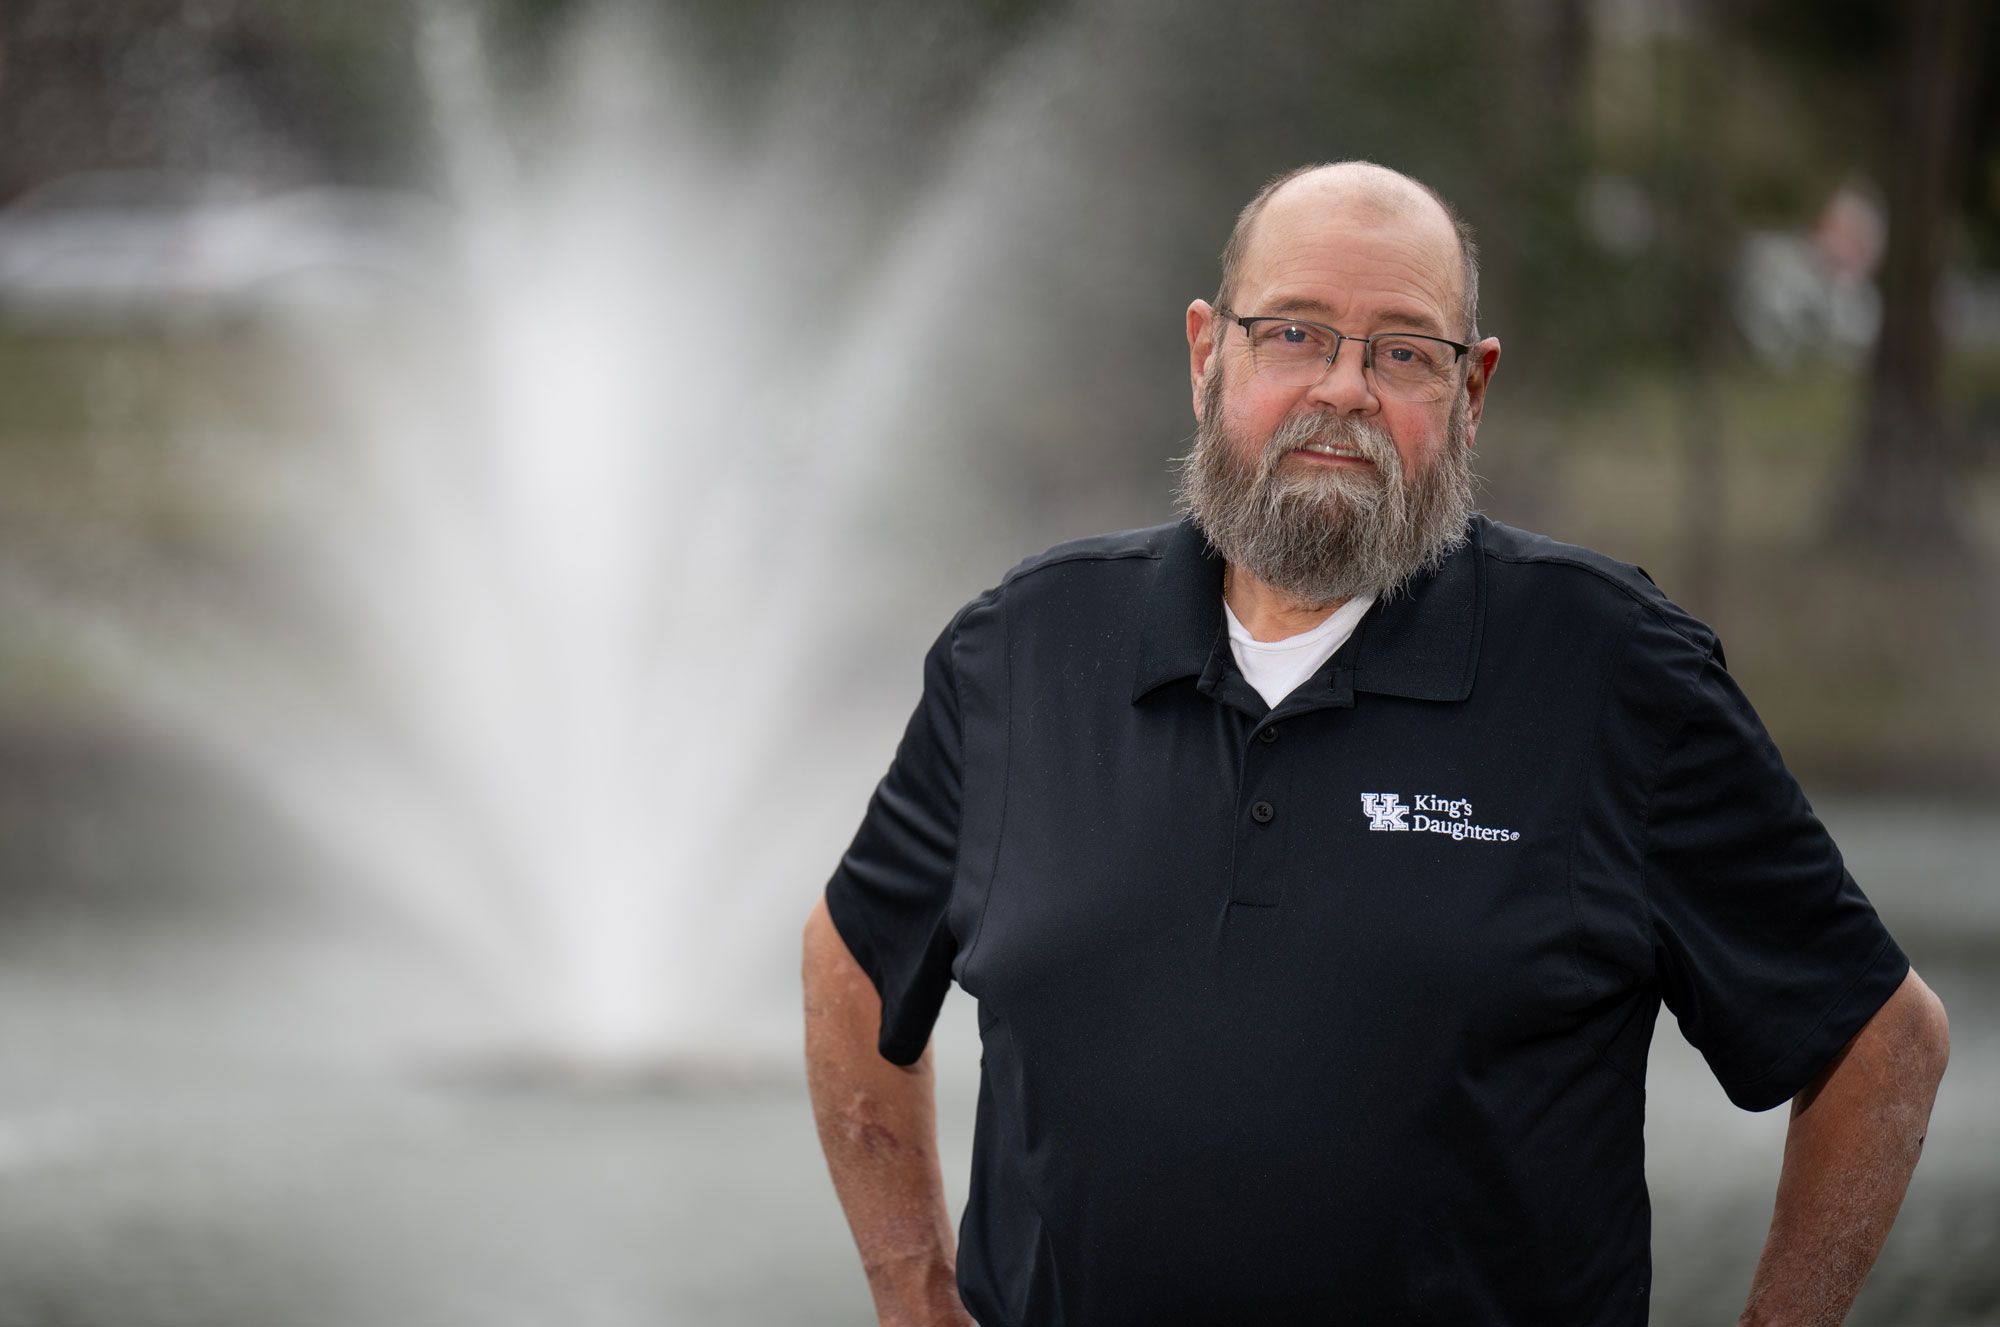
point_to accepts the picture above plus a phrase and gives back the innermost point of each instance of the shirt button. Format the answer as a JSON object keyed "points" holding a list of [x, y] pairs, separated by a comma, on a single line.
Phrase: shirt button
{"points": [[1268, 735], [1263, 813]]}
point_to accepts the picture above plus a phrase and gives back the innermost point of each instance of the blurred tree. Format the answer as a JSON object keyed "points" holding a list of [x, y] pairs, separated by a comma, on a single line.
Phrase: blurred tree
{"points": [[1897, 85], [1900, 490], [273, 89], [1703, 243]]}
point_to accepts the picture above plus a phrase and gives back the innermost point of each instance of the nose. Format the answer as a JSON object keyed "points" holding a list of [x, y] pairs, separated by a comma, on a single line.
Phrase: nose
{"points": [[1344, 386]]}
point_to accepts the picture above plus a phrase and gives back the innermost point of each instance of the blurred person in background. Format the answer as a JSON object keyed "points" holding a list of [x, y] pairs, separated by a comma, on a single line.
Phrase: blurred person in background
{"points": [[1320, 863]]}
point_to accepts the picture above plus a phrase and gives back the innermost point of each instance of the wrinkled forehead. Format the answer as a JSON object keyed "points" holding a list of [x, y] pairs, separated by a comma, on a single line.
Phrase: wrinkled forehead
{"points": [[1368, 234]]}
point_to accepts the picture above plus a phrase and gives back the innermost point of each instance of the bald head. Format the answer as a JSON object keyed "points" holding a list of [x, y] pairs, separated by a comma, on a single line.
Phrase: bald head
{"points": [[1359, 190]]}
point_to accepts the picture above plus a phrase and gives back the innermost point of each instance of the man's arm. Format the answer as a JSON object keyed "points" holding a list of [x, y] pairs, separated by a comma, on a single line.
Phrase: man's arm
{"points": [[1855, 1135], [878, 1127]]}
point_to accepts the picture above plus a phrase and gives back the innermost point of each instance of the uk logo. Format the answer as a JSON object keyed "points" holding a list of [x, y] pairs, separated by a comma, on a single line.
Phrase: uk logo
{"points": [[1385, 811]]}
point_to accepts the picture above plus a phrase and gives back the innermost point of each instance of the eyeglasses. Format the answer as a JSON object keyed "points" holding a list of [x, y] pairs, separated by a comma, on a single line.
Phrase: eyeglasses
{"points": [[1405, 366]]}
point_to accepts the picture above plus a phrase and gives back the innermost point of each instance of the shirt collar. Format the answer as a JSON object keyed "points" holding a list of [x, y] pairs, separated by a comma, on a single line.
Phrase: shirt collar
{"points": [[1423, 644]]}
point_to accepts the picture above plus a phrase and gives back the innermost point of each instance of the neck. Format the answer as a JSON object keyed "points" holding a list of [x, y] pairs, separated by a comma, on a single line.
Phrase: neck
{"points": [[1269, 614]]}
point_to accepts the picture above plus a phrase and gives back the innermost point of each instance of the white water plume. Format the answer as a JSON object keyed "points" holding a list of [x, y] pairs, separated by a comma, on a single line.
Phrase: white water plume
{"points": [[590, 517]]}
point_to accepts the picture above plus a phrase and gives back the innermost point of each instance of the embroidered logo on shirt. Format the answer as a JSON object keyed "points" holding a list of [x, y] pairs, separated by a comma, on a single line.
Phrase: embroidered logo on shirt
{"points": [[1431, 814], [1385, 811]]}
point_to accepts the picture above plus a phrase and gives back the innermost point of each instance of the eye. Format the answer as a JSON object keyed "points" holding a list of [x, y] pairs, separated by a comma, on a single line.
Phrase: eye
{"points": [[1291, 338], [1412, 355]]}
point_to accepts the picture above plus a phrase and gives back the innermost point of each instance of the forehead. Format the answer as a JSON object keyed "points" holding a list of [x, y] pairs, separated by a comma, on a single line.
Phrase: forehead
{"points": [[1378, 255]]}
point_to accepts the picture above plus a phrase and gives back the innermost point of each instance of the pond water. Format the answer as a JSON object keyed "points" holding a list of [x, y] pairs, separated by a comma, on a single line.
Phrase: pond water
{"points": [[213, 1114]]}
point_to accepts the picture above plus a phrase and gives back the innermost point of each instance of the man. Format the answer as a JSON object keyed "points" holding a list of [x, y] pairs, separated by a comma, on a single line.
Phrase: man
{"points": [[1320, 864]]}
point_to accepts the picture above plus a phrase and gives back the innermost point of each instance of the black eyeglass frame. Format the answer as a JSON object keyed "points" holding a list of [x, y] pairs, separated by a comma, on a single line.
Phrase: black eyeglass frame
{"points": [[1340, 337]]}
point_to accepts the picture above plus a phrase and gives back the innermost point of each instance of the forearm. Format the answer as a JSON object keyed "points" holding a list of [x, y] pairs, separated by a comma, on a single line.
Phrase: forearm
{"points": [[878, 1127], [1855, 1135]]}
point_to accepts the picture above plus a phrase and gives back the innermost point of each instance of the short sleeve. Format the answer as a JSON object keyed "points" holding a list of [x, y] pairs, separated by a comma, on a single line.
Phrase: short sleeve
{"points": [[1766, 949], [888, 896]]}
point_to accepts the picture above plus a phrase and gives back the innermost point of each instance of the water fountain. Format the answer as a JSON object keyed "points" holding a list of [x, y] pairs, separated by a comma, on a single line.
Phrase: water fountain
{"points": [[586, 516]]}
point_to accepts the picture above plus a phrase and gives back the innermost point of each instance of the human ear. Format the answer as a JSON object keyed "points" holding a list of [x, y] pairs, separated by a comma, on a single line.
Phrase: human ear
{"points": [[1485, 363], [1201, 328]]}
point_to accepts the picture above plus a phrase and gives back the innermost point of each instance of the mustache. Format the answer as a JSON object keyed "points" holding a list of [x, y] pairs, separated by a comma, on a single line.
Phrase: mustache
{"points": [[1365, 436]]}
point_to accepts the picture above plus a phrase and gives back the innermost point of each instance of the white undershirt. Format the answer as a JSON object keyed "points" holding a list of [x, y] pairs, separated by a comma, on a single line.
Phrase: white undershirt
{"points": [[1275, 667]]}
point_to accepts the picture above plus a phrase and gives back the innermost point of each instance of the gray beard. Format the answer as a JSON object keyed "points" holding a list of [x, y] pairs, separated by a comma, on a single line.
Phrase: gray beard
{"points": [[1323, 534]]}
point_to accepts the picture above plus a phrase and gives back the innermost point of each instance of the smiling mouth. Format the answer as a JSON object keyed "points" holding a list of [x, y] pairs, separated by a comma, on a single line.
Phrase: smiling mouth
{"points": [[1339, 449]]}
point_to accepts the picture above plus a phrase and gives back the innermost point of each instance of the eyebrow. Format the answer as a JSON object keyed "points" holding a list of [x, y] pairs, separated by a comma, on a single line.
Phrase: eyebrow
{"points": [[1403, 318]]}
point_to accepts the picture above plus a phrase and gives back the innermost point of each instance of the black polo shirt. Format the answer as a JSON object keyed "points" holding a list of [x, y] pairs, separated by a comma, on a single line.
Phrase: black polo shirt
{"points": [[1339, 1012]]}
